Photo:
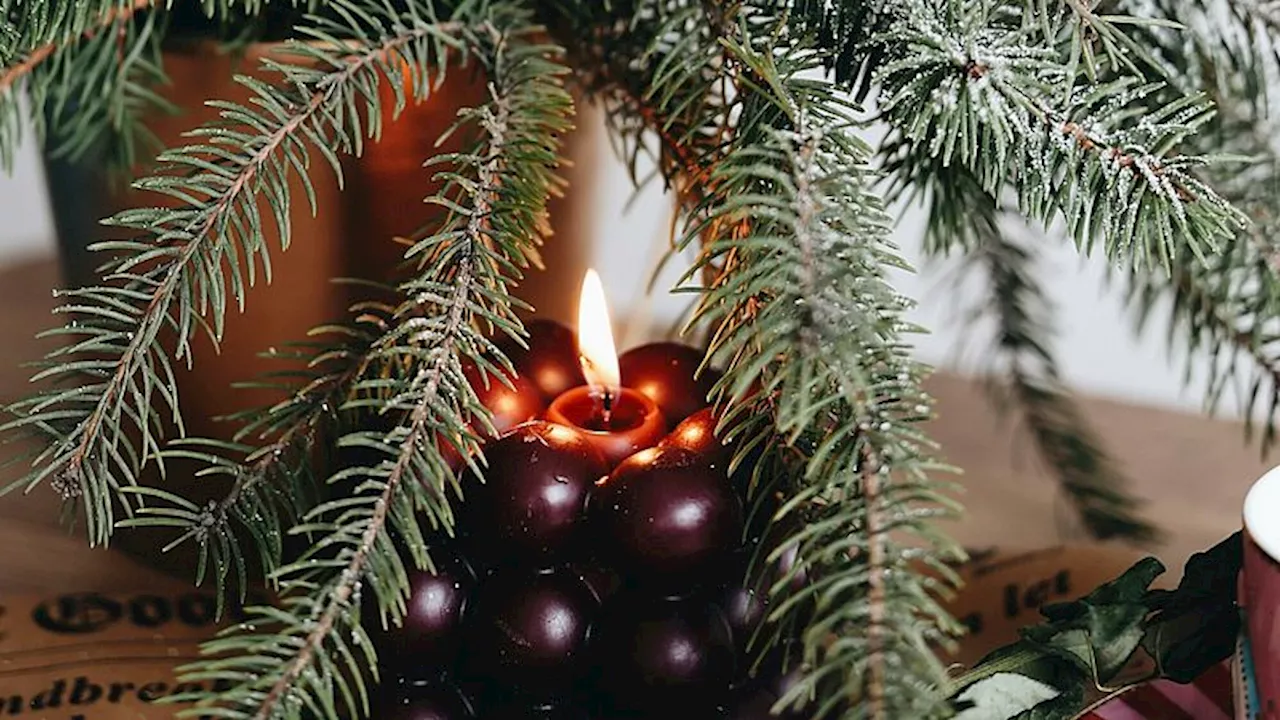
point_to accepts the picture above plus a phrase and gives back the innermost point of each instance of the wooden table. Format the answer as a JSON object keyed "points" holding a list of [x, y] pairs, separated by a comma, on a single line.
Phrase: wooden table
{"points": [[1194, 471]]}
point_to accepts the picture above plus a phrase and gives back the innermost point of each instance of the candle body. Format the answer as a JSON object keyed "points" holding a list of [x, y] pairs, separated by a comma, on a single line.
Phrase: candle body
{"points": [[636, 422], [667, 373]]}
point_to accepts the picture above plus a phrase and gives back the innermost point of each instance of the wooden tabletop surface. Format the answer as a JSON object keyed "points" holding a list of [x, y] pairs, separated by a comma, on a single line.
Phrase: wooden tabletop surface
{"points": [[1193, 471]]}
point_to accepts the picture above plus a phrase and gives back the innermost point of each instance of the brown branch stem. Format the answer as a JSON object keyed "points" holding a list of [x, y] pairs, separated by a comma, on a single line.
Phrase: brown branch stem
{"points": [[153, 318], [429, 379], [12, 74], [877, 600], [273, 453]]}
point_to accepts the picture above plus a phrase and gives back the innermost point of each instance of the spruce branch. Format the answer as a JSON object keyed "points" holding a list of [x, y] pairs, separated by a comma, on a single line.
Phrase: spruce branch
{"points": [[877, 599], [497, 198], [1226, 311], [807, 318], [87, 85], [966, 87], [34, 31], [963, 219], [175, 279], [1226, 306], [419, 433], [1067, 445], [272, 483]]}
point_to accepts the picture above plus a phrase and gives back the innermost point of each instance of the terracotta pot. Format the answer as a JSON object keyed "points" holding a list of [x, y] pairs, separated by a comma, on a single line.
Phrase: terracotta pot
{"points": [[351, 235]]}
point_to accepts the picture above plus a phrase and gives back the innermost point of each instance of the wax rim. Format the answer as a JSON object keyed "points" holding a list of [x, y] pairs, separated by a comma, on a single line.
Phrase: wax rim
{"points": [[1262, 513], [647, 405]]}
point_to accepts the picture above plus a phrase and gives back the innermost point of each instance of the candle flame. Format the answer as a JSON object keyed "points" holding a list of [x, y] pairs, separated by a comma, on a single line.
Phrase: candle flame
{"points": [[596, 350]]}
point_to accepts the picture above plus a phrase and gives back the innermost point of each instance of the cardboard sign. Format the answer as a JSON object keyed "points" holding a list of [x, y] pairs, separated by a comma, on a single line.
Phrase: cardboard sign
{"points": [[1004, 591], [91, 656]]}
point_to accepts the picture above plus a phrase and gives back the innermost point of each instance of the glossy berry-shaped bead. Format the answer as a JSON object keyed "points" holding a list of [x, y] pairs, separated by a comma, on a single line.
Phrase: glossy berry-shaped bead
{"points": [[526, 632], [668, 373], [697, 433], [665, 517], [650, 653], [430, 630], [550, 362], [530, 506], [511, 399], [421, 701]]}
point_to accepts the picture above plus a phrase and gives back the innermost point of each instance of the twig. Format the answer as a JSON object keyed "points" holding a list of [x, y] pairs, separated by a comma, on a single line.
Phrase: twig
{"points": [[1185, 282], [477, 233], [153, 317], [33, 59], [274, 452], [877, 599], [806, 214]]}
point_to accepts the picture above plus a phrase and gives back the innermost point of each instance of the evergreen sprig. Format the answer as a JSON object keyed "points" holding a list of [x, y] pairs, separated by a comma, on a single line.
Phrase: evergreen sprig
{"points": [[34, 31], [270, 463], [810, 332], [968, 85], [1226, 308], [191, 260], [964, 220], [1053, 108], [1034, 388], [310, 655], [89, 68]]}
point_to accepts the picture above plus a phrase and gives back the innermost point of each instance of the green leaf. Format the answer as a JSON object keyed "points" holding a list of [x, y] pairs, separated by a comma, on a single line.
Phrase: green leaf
{"points": [[1112, 618], [1197, 625]]}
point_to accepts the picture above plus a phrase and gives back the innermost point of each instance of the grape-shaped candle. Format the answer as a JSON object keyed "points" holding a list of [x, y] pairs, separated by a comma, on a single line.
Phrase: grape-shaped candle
{"points": [[654, 653], [619, 421], [550, 362], [530, 504], [664, 516], [526, 631], [429, 632], [667, 373]]}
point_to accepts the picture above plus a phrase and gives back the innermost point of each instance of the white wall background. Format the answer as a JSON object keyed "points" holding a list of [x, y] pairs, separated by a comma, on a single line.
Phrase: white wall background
{"points": [[1097, 349]]}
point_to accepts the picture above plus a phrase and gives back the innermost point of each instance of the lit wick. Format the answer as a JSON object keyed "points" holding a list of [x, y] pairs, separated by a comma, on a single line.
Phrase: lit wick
{"points": [[596, 351], [617, 421], [599, 392]]}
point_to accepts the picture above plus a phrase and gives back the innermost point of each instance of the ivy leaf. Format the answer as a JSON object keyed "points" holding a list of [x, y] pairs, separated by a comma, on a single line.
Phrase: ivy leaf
{"points": [[1105, 627], [1196, 625], [1023, 683], [1004, 695]]}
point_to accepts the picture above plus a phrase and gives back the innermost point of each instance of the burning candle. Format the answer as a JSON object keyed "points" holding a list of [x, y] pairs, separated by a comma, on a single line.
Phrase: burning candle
{"points": [[618, 421]]}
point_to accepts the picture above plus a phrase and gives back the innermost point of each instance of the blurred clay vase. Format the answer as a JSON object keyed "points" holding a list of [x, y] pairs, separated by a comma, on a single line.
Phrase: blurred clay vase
{"points": [[352, 234]]}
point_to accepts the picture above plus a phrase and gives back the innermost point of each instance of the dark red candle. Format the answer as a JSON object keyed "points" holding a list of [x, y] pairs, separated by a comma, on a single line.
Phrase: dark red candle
{"points": [[666, 517], [530, 506], [667, 373], [618, 421], [550, 362], [526, 631], [633, 422]]}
